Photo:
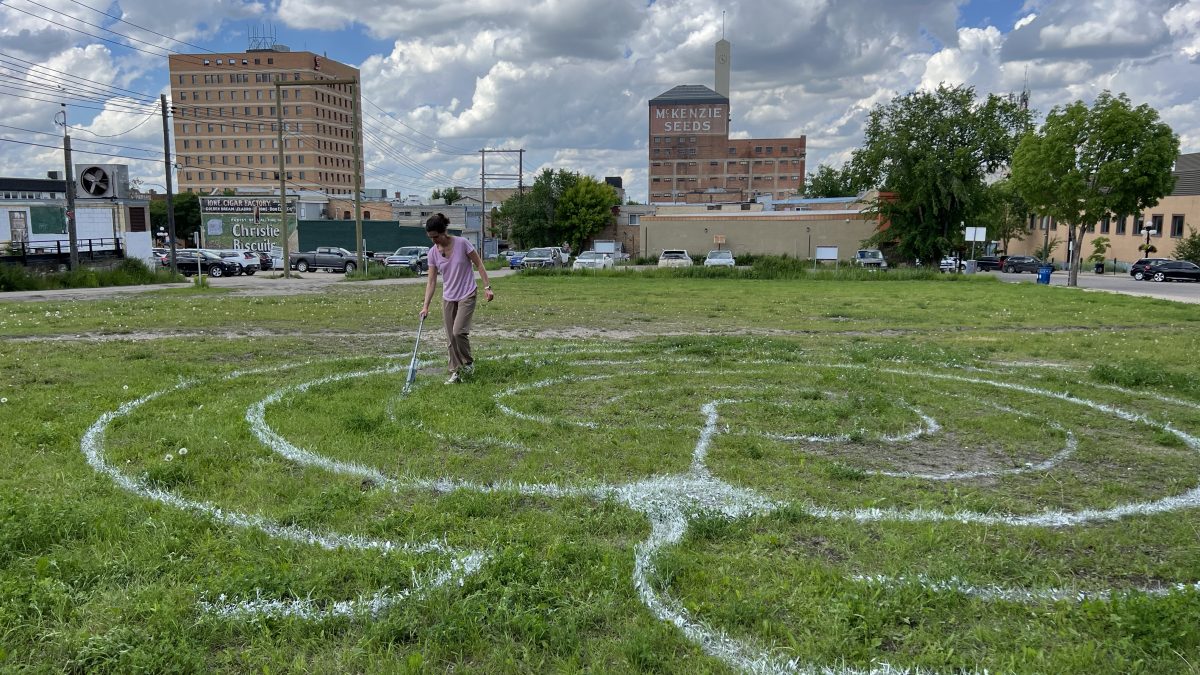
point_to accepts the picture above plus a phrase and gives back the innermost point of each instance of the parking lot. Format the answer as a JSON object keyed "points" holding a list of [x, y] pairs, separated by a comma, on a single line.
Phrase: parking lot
{"points": [[1116, 283]]}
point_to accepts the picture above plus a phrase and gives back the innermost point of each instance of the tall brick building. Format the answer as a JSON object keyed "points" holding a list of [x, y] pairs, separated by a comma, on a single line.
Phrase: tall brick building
{"points": [[226, 135], [693, 160]]}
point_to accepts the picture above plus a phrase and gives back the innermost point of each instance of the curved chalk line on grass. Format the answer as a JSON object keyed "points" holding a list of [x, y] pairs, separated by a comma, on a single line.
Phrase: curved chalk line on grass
{"points": [[671, 501]]}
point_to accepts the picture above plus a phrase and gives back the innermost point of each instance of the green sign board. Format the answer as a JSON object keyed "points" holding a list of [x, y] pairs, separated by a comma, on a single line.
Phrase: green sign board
{"points": [[252, 223]]}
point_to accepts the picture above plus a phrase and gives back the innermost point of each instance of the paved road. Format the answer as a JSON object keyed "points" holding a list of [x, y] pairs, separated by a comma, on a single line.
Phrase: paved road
{"points": [[313, 282], [1117, 283]]}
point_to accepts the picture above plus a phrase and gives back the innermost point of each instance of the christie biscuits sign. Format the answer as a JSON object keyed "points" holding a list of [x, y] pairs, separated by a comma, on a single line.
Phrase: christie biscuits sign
{"points": [[706, 118]]}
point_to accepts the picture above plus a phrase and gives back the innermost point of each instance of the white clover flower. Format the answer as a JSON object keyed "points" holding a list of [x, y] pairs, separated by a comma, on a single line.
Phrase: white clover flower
{"points": [[3, 400], [168, 457], [125, 386], [182, 451]]}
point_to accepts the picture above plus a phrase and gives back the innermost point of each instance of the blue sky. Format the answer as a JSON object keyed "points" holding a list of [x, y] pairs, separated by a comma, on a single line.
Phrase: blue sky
{"points": [[569, 80]]}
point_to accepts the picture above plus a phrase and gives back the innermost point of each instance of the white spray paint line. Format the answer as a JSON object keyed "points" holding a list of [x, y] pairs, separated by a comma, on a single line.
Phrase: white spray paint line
{"points": [[92, 446], [309, 610], [667, 499], [1001, 593]]}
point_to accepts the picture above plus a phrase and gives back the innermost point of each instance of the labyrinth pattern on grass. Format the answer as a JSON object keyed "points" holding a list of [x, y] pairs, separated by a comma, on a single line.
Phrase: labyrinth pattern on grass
{"points": [[672, 501]]}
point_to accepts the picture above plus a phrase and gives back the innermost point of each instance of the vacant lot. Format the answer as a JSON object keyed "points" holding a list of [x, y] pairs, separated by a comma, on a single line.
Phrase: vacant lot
{"points": [[644, 474]]}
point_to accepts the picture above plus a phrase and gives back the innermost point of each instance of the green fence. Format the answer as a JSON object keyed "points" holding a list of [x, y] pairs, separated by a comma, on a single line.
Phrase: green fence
{"points": [[381, 235]]}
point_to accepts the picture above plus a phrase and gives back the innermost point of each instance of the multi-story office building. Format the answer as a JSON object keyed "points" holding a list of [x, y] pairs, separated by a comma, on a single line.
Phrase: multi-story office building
{"points": [[693, 160], [226, 134]]}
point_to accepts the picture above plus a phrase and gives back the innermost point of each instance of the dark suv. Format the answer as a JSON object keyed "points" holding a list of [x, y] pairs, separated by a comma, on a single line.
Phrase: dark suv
{"points": [[1140, 269], [987, 263], [208, 263], [1021, 263]]}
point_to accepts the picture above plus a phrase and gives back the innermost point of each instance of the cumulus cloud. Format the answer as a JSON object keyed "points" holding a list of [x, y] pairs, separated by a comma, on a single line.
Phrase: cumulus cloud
{"points": [[569, 80]]}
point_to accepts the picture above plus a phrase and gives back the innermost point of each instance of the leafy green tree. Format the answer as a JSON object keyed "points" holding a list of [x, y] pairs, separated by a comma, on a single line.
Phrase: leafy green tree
{"points": [[1188, 248], [531, 218], [1005, 214], [1085, 163], [187, 215], [929, 152], [450, 194], [827, 181], [585, 209]]}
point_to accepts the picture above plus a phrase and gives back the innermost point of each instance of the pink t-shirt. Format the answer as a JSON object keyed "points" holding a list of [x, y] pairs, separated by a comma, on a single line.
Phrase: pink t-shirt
{"points": [[458, 274]]}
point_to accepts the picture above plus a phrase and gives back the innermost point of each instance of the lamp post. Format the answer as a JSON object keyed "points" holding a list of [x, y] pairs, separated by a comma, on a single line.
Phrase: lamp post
{"points": [[1146, 248]]}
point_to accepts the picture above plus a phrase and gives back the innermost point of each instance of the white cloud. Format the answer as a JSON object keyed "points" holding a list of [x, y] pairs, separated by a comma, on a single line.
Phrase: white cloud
{"points": [[569, 80]]}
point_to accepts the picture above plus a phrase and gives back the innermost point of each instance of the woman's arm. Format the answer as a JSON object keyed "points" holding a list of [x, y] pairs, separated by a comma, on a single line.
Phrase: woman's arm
{"points": [[487, 285], [430, 286]]}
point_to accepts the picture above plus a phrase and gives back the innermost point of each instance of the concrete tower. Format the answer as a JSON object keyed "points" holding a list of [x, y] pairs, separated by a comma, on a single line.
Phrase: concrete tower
{"points": [[722, 70]]}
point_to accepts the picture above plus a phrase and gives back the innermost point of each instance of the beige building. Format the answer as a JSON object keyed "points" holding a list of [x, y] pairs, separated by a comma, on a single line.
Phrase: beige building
{"points": [[1168, 223], [226, 134], [746, 228]]}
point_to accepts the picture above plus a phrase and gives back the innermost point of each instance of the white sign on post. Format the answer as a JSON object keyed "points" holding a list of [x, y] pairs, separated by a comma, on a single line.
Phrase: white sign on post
{"points": [[827, 253], [976, 234]]}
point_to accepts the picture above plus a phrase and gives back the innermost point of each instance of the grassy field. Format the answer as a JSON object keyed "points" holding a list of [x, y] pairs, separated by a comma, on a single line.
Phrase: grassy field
{"points": [[646, 473]]}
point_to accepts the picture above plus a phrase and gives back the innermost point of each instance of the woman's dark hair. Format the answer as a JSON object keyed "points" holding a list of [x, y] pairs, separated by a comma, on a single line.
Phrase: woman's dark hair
{"points": [[438, 222]]}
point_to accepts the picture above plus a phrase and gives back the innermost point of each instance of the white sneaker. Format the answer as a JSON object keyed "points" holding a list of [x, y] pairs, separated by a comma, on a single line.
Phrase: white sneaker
{"points": [[454, 378]]}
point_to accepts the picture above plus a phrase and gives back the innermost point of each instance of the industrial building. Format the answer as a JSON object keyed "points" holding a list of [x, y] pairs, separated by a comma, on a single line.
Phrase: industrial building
{"points": [[225, 128]]}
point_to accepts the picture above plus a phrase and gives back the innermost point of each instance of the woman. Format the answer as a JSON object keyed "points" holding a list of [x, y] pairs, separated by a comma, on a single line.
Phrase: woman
{"points": [[453, 257]]}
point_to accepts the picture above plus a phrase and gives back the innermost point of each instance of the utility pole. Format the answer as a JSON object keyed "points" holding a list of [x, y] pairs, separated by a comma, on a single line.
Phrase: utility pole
{"points": [[356, 106], [169, 171], [69, 184], [283, 214], [484, 176]]}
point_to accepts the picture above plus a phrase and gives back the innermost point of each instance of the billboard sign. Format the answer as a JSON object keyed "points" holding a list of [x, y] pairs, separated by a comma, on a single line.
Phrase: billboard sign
{"points": [[700, 119], [252, 223]]}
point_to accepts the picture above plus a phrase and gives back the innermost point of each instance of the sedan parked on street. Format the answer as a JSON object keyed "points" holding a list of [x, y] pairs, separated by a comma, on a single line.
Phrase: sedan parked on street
{"points": [[516, 259], [592, 260], [1174, 270], [1021, 263]]}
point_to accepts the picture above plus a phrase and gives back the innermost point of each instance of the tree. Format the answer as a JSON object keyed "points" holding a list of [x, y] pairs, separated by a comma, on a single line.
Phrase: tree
{"points": [[1084, 164], [187, 215], [830, 182], [930, 152], [585, 209], [1006, 215], [531, 218], [1188, 248], [450, 194]]}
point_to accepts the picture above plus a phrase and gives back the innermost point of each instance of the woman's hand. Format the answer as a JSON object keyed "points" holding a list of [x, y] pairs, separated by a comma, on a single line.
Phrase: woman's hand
{"points": [[489, 294]]}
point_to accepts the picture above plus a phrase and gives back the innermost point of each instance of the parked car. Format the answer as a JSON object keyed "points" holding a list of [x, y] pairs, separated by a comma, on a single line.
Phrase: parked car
{"points": [[247, 261], [264, 260], [722, 258], [674, 257], [950, 264], [988, 263], [1021, 263], [206, 262], [415, 258], [546, 256], [516, 259], [870, 258], [593, 261], [1139, 269], [1174, 270], [333, 258]]}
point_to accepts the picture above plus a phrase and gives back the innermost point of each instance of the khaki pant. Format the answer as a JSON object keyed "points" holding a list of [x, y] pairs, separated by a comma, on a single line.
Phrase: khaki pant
{"points": [[457, 317]]}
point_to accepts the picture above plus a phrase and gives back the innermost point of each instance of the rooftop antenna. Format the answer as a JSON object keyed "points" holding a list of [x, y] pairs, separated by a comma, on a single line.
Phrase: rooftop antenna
{"points": [[722, 24]]}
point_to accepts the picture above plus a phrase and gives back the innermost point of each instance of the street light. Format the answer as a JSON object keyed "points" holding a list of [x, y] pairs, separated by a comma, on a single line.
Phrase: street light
{"points": [[1149, 231]]}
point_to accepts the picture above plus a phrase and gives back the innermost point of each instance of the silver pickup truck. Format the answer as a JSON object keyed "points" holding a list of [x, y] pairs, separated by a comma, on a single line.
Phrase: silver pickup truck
{"points": [[333, 258]]}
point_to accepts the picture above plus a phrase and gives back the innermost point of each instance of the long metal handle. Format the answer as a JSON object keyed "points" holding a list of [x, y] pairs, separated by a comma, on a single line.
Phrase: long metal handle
{"points": [[412, 364]]}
